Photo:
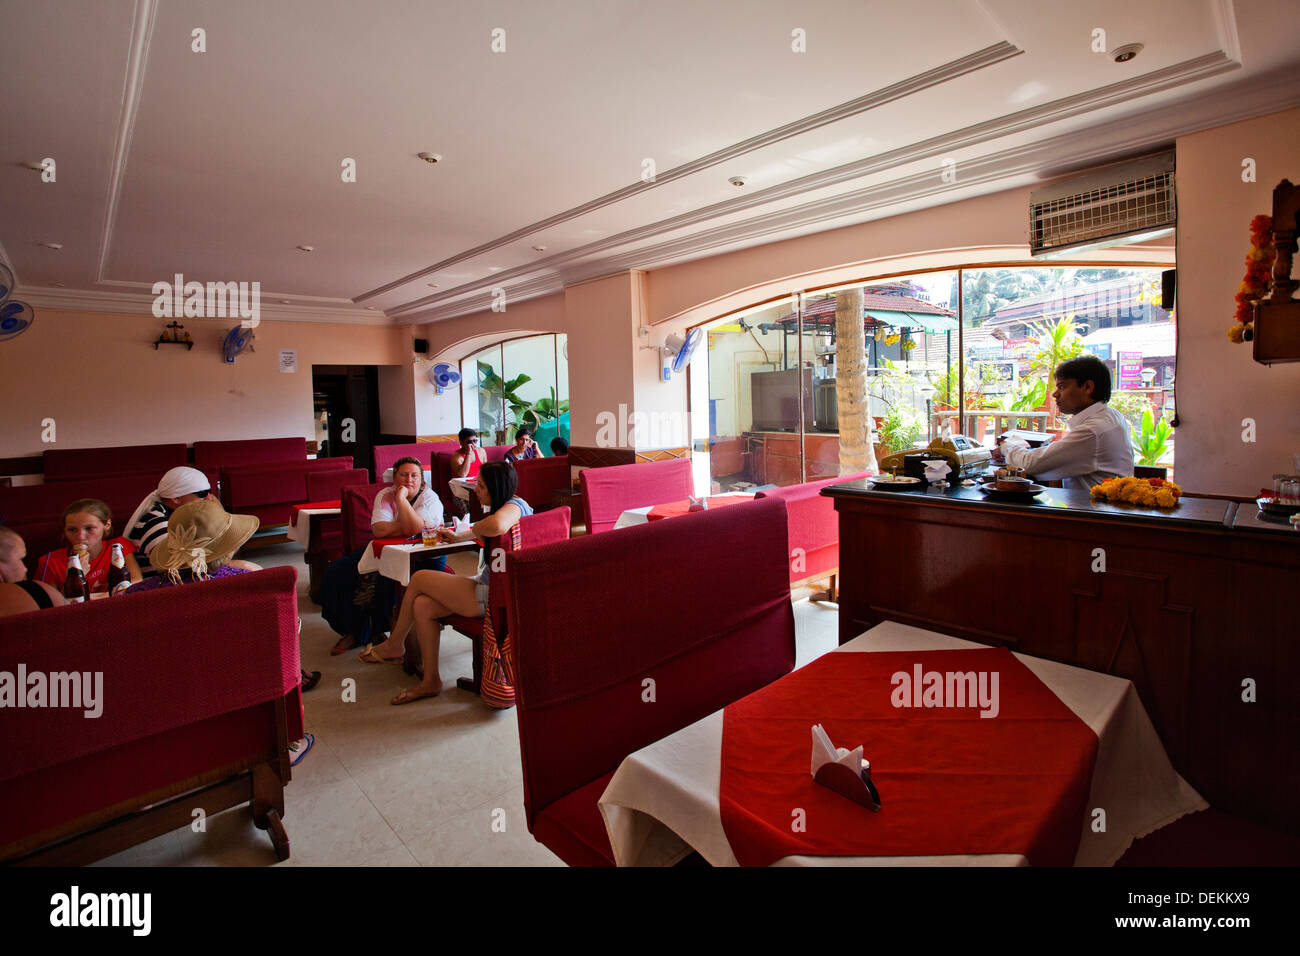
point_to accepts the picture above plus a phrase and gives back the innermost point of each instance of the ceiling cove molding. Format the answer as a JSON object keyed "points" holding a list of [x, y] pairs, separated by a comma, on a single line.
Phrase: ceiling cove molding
{"points": [[141, 33], [914, 84], [1225, 24], [141, 303], [324, 301], [1142, 131], [1065, 108]]}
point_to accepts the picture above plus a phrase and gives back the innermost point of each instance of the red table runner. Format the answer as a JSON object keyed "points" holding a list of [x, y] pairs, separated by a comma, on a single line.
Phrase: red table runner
{"points": [[377, 546], [675, 509], [316, 504], [951, 782]]}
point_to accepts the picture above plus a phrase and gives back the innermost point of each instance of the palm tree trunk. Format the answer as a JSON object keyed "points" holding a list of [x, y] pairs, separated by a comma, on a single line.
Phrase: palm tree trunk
{"points": [[856, 451]]}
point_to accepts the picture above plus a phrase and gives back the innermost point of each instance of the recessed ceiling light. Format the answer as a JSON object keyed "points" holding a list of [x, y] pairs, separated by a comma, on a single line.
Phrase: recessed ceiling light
{"points": [[431, 158], [539, 248], [372, 308], [59, 285], [494, 268], [433, 285], [38, 167], [284, 302], [307, 248], [737, 180], [1122, 54], [56, 246]]}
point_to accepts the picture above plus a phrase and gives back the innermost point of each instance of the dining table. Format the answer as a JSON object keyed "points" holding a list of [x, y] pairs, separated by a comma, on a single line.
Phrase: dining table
{"points": [[305, 518], [665, 800], [392, 557], [672, 509]]}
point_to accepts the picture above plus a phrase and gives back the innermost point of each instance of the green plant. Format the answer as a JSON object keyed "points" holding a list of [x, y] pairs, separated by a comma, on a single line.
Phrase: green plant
{"points": [[977, 381], [1029, 395], [1131, 405], [493, 391], [1151, 441], [544, 409], [900, 428], [1057, 342]]}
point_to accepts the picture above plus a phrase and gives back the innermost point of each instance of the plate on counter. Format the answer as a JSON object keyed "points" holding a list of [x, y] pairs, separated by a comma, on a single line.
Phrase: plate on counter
{"points": [[1275, 509], [1027, 494], [895, 483]]}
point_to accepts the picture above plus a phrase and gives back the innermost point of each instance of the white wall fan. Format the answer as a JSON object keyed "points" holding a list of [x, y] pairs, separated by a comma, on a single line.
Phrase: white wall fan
{"points": [[677, 352], [443, 376]]}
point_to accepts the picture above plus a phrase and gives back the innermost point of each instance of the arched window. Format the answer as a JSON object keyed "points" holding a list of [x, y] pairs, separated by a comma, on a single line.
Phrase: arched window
{"points": [[523, 381]]}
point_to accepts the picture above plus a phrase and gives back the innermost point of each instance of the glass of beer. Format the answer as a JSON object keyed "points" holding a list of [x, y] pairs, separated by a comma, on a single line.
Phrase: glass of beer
{"points": [[429, 536]]}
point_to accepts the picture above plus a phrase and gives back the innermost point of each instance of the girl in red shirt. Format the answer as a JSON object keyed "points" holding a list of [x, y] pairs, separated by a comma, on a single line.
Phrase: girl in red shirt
{"points": [[87, 526]]}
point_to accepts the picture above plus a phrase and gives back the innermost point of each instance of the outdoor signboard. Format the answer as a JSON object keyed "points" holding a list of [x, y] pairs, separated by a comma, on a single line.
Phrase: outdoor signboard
{"points": [[1129, 366], [1101, 350]]}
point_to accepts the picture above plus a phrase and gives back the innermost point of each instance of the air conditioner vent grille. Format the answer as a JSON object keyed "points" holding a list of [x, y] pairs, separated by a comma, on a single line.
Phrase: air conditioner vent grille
{"points": [[1106, 211]]}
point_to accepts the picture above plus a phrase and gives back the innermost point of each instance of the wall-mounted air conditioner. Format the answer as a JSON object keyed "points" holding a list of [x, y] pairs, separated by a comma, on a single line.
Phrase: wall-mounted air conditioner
{"points": [[1127, 202]]}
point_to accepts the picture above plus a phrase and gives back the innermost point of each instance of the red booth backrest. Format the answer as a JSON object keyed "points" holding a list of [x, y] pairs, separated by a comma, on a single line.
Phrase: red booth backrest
{"points": [[608, 492], [357, 503], [707, 628], [34, 510], [538, 477], [87, 464], [240, 637], [385, 455], [327, 485], [212, 456], [814, 525]]}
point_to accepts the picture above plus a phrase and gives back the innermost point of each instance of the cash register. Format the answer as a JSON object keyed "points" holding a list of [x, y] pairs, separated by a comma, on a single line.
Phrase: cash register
{"points": [[966, 457]]}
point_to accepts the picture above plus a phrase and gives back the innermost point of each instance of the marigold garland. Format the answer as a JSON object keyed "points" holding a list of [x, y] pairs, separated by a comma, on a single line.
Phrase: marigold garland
{"points": [[1258, 281], [1147, 492]]}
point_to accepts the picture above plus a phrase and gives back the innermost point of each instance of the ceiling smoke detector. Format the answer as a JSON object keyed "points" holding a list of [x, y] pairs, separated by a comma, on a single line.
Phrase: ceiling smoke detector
{"points": [[737, 180], [1122, 54], [539, 248], [431, 158], [306, 248]]}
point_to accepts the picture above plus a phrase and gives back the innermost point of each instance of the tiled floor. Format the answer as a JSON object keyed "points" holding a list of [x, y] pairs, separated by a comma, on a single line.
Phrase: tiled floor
{"points": [[434, 783]]}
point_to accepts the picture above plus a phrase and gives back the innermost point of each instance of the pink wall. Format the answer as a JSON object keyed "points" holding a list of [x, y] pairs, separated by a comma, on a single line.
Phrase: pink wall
{"points": [[1219, 385], [602, 352], [98, 376]]}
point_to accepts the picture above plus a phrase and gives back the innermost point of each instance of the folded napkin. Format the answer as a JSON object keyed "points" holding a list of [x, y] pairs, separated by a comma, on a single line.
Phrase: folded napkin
{"points": [[824, 752], [936, 470]]}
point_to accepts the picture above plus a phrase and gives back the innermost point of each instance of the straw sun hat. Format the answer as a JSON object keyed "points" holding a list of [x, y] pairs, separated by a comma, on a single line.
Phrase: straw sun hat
{"points": [[199, 533]]}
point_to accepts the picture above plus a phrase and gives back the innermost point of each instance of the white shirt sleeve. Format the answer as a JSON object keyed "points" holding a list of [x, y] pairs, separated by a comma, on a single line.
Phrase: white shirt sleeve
{"points": [[430, 508], [1074, 453], [384, 509]]}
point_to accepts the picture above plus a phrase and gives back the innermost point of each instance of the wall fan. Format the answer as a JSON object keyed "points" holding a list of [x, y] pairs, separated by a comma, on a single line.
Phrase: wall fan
{"points": [[677, 352], [15, 317], [237, 339], [443, 376]]}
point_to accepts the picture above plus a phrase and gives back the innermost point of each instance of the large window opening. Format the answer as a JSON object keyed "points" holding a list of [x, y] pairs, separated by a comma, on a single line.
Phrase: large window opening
{"points": [[967, 351], [515, 383]]}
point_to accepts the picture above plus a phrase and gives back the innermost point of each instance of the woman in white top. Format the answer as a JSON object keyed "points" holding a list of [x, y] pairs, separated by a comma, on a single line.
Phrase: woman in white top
{"points": [[409, 506]]}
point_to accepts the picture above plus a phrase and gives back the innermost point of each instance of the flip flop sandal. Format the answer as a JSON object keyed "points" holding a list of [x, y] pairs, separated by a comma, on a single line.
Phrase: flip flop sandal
{"points": [[294, 760], [310, 680], [344, 645], [406, 697], [368, 656]]}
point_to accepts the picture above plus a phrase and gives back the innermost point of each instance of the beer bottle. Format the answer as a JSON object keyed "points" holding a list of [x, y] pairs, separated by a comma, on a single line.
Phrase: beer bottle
{"points": [[118, 579], [75, 586]]}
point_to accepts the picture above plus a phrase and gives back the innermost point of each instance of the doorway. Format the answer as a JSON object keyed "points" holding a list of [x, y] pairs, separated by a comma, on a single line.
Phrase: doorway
{"points": [[345, 400]]}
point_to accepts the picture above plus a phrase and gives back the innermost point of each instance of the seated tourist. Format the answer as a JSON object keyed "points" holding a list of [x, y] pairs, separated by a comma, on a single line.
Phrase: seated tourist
{"points": [[148, 525], [525, 447], [17, 594], [403, 509], [466, 462], [1097, 445], [200, 545], [559, 446], [431, 597], [87, 526]]}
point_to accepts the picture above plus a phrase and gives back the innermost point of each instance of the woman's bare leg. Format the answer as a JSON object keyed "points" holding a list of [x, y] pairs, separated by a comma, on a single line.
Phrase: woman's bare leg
{"points": [[447, 594], [428, 631]]}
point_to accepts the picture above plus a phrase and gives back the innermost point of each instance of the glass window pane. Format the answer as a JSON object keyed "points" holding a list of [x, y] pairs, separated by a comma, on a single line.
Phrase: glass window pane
{"points": [[530, 387]]}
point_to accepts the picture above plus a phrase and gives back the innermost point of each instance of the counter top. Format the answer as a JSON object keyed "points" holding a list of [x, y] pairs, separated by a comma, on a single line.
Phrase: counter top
{"points": [[1249, 518], [1196, 512]]}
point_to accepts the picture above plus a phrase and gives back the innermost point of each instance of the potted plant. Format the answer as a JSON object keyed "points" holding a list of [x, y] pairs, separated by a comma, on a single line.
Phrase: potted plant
{"points": [[1150, 440], [900, 429], [1056, 342]]}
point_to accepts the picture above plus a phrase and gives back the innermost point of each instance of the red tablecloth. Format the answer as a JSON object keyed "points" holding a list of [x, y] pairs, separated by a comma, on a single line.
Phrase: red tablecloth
{"points": [[316, 504], [950, 781], [676, 508], [377, 546]]}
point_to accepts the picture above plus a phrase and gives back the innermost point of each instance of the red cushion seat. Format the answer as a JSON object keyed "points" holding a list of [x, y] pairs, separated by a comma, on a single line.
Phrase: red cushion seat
{"points": [[573, 829]]}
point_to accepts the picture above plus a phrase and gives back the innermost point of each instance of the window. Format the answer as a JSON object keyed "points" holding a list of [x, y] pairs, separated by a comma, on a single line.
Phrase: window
{"points": [[518, 382]]}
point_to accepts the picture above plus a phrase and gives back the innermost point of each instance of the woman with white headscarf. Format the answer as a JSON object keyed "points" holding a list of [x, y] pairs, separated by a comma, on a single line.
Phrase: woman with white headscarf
{"points": [[148, 525]]}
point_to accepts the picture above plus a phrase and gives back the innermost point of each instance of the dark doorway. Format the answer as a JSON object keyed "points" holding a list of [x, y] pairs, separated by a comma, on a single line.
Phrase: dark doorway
{"points": [[348, 395]]}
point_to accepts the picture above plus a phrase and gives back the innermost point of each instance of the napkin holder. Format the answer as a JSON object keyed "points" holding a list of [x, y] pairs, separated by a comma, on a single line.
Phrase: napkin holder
{"points": [[856, 786], [697, 504]]}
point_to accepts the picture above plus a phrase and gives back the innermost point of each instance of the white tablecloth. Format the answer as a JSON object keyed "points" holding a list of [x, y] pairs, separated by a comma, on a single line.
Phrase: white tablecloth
{"points": [[300, 523], [395, 559], [462, 488], [663, 800], [635, 516]]}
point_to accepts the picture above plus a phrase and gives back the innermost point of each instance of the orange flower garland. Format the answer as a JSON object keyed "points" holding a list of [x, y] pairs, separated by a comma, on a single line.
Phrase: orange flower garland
{"points": [[1258, 281], [1147, 492]]}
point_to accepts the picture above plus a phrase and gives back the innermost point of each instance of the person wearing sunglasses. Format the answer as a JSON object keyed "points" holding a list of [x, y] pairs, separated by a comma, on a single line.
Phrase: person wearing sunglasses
{"points": [[466, 462], [148, 525]]}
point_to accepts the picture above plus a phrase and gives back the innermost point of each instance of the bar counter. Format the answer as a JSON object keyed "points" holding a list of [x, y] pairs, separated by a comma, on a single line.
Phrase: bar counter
{"points": [[1190, 604]]}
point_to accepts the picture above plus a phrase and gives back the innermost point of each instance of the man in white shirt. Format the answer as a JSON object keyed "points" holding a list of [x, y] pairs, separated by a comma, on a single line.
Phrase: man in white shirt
{"points": [[1097, 446]]}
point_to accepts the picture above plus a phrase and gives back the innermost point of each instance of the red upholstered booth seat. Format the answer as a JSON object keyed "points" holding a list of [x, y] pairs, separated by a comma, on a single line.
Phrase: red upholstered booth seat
{"points": [[385, 455], [534, 531], [442, 471], [210, 456], [267, 490], [356, 504], [328, 486], [538, 477], [814, 526], [200, 687], [34, 511], [712, 622], [608, 492], [86, 464]]}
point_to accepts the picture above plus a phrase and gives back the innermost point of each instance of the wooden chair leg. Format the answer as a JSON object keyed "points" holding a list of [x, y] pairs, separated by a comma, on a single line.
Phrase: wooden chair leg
{"points": [[833, 592], [474, 684], [268, 807]]}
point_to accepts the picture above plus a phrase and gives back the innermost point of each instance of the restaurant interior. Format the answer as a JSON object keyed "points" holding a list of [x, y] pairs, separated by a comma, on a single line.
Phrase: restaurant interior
{"points": [[706, 336]]}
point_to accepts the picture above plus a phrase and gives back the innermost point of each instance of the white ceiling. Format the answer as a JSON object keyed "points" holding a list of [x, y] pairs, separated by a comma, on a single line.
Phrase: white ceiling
{"points": [[219, 164]]}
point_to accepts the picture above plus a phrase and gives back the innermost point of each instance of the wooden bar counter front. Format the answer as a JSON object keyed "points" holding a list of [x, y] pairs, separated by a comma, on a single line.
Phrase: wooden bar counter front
{"points": [[1196, 605]]}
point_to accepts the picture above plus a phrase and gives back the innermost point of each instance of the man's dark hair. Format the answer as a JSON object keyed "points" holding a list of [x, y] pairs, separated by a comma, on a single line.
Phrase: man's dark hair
{"points": [[465, 433], [559, 446], [1088, 368], [500, 479]]}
